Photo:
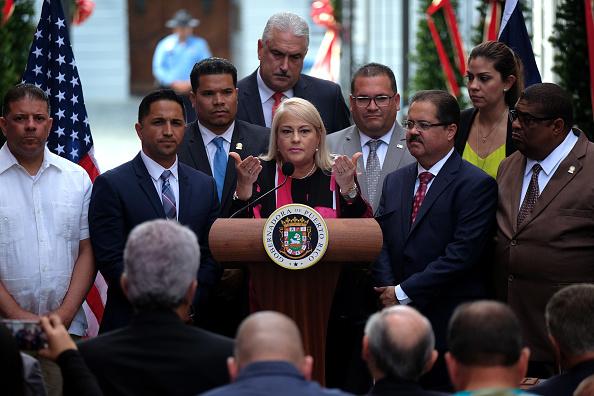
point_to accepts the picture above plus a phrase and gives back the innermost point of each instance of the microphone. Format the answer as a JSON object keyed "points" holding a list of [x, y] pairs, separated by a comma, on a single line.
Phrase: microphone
{"points": [[287, 169]]}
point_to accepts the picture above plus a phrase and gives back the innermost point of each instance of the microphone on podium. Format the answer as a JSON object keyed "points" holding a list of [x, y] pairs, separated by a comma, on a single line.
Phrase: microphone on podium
{"points": [[287, 169]]}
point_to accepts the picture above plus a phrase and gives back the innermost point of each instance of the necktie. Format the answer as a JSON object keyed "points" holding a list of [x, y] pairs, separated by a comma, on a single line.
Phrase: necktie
{"points": [[167, 196], [278, 98], [424, 179], [531, 195], [219, 165], [372, 169]]}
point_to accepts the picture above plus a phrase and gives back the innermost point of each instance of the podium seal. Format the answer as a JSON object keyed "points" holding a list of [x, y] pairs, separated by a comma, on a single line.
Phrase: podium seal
{"points": [[295, 236]]}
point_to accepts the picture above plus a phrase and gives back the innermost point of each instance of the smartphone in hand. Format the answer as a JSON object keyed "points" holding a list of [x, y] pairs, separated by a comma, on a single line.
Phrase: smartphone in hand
{"points": [[28, 333]]}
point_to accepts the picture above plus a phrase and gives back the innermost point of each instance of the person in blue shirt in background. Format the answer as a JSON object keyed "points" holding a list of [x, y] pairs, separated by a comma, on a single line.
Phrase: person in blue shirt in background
{"points": [[175, 56]]}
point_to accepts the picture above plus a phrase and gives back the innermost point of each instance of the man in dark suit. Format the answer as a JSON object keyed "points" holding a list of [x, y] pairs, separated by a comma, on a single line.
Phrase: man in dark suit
{"points": [[436, 216], [153, 185], [281, 52], [214, 96], [399, 347], [157, 353], [208, 143], [269, 360], [486, 353], [570, 321], [545, 233]]}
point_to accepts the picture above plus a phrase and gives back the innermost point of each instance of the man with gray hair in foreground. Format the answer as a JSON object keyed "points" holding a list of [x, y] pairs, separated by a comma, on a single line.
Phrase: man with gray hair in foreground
{"points": [[398, 347], [157, 353], [570, 322], [269, 360]]}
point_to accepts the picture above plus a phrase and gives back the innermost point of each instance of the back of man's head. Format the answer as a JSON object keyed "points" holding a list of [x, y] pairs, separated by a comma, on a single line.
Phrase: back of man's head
{"points": [[161, 260], [399, 343], [570, 320], [485, 347], [269, 336]]}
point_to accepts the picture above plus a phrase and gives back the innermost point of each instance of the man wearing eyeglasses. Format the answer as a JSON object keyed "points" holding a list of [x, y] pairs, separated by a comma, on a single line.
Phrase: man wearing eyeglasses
{"points": [[436, 215], [374, 104], [545, 216]]}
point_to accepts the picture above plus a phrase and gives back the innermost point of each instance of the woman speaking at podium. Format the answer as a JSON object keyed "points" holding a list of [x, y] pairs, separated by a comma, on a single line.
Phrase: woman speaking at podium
{"points": [[317, 179]]}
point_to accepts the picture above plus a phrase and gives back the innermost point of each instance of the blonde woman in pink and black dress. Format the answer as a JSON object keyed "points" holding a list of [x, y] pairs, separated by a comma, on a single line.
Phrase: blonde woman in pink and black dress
{"points": [[495, 81], [325, 183]]}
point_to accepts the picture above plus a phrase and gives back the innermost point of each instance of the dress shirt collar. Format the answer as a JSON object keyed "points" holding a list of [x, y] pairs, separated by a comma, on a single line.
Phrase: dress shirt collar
{"points": [[208, 135], [265, 92], [550, 163], [434, 170], [156, 170], [8, 160], [385, 138]]}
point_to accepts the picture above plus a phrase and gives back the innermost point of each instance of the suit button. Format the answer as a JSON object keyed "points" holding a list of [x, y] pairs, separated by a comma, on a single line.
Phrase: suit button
{"points": [[510, 278], [514, 242]]}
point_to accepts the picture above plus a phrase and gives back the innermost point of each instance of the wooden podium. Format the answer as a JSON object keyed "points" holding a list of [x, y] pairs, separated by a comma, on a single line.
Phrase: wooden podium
{"points": [[304, 295]]}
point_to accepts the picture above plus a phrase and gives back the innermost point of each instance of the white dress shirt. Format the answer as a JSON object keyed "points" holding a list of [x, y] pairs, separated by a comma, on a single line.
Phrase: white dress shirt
{"points": [[156, 170], [549, 165], [434, 170], [43, 218], [211, 148], [267, 99], [382, 149]]}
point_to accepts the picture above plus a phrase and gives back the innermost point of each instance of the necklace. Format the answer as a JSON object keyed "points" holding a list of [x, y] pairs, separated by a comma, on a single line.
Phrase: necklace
{"points": [[485, 137], [311, 171]]}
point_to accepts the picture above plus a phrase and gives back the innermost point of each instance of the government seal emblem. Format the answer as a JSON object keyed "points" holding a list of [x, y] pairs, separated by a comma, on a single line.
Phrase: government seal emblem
{"points": [[295, 236]]}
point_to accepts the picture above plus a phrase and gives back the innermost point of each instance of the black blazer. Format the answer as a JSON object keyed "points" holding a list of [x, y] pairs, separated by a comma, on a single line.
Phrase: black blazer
{"points": [[248, 139], [466, 119], [564, 384], [325, 95], [125, 197], [157, 354]]}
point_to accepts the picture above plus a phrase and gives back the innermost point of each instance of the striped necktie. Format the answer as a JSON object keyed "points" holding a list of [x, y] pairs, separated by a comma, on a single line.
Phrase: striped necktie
{"points": [[167, 196]]}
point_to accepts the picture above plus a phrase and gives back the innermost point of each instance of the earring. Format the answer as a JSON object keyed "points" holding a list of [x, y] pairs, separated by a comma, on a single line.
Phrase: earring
{"points": [[317, 149], [504, 90]]}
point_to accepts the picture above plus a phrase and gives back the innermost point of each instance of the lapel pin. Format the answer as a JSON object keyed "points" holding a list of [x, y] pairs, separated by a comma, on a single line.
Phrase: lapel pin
{"points": [[571, 169], [238, 146], [399, 146]]}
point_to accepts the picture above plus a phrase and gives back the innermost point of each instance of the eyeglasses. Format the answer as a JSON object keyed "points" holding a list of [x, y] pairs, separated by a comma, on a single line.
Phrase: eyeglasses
{"points": [[526, 119], [380, 100], [422, 126]]}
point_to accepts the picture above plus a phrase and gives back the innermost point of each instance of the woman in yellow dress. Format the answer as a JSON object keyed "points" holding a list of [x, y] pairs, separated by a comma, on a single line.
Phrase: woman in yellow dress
{"points": [[494, 80]]}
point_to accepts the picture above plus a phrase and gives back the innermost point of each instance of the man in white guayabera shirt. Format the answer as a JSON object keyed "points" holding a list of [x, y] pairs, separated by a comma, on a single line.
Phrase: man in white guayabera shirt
{"points": [[46, 259]]}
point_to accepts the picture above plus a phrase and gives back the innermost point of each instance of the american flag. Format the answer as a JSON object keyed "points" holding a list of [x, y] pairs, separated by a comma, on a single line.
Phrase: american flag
{"points": [[51, 67]]}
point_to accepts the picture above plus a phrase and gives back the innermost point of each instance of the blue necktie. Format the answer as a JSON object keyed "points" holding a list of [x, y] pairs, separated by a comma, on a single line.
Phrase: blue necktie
{"points": [[167, 196], [219, 164]]}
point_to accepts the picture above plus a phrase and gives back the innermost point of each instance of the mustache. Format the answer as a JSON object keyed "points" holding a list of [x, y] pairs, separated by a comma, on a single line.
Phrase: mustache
{"points": [[413, 138]]}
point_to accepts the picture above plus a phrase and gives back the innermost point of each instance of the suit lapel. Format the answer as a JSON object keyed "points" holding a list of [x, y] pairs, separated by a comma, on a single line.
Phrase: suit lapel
{"points": [[350, 145], [252, 101], [515, 191], [407, 198], [185, 194], [239, 144], [147, 186], [560, 178], [393, 158], [300, 89], [197, 150], [440, 183]]}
